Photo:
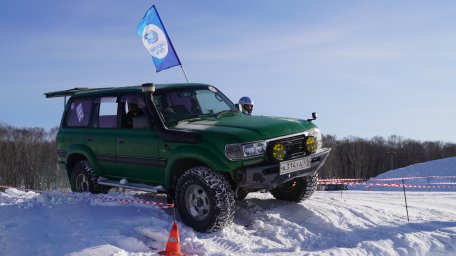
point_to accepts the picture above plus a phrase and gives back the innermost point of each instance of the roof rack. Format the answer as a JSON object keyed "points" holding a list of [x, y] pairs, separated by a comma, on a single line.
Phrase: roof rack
{"points": [[69, 92], [65, 93]]}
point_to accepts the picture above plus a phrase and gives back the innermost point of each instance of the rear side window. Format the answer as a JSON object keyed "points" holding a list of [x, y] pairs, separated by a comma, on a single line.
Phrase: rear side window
{"points": [[79, 113], [107, 112]]}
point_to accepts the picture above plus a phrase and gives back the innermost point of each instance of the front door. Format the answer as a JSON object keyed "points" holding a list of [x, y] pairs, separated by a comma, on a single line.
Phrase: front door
{"points": [[137, 144]]}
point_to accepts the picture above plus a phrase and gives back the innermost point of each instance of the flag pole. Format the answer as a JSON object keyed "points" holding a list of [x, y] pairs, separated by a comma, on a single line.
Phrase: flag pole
{"points": [[185, 74]]}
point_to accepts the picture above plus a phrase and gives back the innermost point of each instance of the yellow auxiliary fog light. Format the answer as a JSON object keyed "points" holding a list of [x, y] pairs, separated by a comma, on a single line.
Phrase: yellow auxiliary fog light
{"points": [[311, 144], [278, 151]]}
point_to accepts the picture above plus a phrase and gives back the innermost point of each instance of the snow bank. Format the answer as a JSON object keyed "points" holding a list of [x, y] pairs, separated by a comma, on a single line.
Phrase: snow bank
{"points": [[428, 170]]}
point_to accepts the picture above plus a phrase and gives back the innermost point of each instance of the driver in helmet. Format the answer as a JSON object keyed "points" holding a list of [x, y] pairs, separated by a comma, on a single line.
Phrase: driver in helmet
{"points": [[246, 105]]}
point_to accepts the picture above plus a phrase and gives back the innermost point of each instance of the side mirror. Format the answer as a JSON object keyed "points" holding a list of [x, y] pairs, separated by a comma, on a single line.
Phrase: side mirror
{"points": [[314, 117]]}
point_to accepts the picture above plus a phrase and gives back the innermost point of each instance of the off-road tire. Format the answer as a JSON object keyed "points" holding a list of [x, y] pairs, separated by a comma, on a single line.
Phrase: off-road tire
{"points": [[204, 199], [296, 190], [84, 179]]}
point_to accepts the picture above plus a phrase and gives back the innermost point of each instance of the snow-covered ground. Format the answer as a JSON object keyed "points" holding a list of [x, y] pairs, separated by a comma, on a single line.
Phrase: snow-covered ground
{"points": [[329, 223], [437, 175]]}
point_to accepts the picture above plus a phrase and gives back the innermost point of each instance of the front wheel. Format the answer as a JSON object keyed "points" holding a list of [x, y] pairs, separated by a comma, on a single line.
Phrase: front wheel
{"points": [[204, 199], [297, 189]]}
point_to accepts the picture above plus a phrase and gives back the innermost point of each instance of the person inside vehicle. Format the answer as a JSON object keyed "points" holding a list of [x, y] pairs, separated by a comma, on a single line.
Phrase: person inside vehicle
{"points": [[133, 111], [246, 105]]}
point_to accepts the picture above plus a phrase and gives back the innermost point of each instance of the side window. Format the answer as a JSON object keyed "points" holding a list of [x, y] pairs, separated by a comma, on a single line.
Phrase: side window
{"points": [[78, 114], [133, 112], [107, 112]]}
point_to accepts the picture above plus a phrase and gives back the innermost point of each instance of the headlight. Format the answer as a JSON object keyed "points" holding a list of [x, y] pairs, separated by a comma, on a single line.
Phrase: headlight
{"points": [[313, 141], [246, 150]]}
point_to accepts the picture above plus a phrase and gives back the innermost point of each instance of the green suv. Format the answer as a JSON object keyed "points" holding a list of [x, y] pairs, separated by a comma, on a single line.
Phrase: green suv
{"points": [[188, 141]]}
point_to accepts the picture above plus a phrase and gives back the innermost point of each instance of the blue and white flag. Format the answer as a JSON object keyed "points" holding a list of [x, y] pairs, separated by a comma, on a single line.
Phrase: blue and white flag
{"points": [[156, 40]]}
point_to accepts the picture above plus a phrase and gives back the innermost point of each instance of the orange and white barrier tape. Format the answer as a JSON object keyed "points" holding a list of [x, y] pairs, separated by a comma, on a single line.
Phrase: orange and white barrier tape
{"points": [[417, 177], [388, 179], [135, 201], [342, 179], [88, 196], [340, 183], [389, 184]]}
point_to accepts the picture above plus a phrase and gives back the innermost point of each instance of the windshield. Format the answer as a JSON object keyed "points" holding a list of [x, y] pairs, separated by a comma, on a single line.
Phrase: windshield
{"points": [[188, 103]]}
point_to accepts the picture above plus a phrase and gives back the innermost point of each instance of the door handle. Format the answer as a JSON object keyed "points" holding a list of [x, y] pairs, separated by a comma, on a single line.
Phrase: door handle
{"points": [[89, 139], [120, 140]]}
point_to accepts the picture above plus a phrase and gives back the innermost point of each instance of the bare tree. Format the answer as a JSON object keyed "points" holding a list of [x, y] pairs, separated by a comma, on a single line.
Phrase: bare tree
{"points": [[28, 158], [355, 157]]}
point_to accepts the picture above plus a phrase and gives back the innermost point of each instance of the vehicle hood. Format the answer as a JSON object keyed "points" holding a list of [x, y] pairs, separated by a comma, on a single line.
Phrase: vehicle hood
{"points": [[248, 128]]}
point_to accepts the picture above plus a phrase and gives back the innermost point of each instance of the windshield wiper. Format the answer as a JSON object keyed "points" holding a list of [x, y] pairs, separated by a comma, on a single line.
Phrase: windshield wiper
{"points": [[192, 118], [198, 117], [221, 113], [189, 119]]}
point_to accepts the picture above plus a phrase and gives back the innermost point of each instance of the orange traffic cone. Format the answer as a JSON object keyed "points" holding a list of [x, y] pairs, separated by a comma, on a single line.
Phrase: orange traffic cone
{"points": [[173, 246]]}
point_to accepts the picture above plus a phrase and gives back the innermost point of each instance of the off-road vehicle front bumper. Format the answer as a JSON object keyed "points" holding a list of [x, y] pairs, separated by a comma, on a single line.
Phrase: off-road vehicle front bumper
{"points": [[267, 176]]}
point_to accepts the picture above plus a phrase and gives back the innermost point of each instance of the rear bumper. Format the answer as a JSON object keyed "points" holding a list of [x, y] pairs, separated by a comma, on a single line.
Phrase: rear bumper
{"points": [[267, 176]]}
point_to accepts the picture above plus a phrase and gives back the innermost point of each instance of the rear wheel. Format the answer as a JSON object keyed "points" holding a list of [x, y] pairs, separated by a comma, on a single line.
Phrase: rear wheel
{"points": [[84, 179], [204, 199], [296, 190]]}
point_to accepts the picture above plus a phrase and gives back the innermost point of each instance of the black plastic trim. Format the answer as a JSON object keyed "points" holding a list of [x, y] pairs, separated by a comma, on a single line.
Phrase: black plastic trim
{"points": [[106, 158], [267, 176], [146, 161], [142, 161]]}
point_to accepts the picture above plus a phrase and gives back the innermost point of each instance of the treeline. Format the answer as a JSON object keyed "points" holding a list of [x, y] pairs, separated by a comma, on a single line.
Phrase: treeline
{"points": [[28, 159], [355, 157]]}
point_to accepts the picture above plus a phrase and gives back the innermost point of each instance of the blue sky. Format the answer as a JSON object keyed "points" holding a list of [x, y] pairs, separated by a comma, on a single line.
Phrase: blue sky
{"points": [[368, 68]]}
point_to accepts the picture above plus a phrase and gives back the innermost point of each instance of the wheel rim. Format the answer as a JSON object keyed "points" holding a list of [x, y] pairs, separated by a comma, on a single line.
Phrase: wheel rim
{"points": [[82, 183], [197, 202]]}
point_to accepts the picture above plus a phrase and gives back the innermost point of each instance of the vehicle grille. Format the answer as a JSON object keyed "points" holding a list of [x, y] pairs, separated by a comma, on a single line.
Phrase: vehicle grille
{"points": [[294, 146]]}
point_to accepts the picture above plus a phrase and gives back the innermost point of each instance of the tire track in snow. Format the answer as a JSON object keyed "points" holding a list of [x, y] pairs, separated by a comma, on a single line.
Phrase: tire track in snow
{"points": [[269, 228], [349, 214], [228, 245], [386, 213], [324, 222]]}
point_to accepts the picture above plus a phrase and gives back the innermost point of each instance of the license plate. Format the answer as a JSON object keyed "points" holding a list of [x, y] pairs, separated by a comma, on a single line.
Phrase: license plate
{"points": [[294, 165]]}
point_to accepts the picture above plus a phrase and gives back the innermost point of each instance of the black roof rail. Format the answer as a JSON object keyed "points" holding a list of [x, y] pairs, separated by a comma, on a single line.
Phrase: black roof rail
{"points": [[65, 93]]}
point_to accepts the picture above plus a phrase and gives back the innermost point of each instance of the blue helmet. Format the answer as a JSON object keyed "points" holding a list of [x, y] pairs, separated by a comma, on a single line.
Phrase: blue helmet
{"points": [[245, 100], [246, 105]]}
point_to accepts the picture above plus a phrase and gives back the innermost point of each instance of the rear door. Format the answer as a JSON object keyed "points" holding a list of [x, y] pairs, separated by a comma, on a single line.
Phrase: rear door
{"points": [[102, 137]]}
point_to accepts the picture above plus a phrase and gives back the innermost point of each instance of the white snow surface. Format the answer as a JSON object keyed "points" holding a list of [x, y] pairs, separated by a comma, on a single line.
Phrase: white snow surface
{"points": [[329, 223]]}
